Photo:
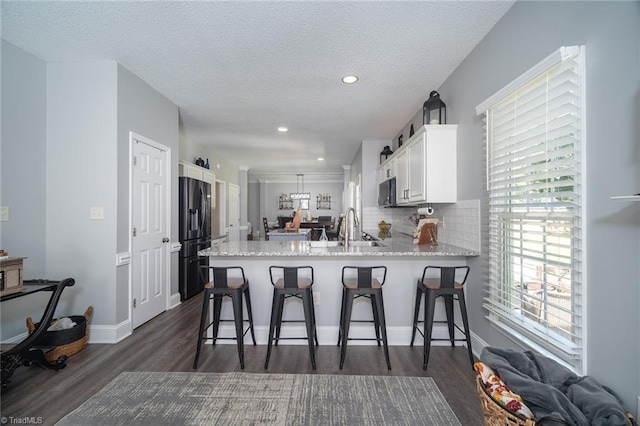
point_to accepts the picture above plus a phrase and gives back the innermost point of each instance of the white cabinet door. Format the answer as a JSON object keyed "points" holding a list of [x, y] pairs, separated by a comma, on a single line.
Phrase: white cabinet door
{"points": [[210, 178], [390, 169], [189, 170], [380, 174], [402, 178], [416, 170], [426, 166], [441, 164]]}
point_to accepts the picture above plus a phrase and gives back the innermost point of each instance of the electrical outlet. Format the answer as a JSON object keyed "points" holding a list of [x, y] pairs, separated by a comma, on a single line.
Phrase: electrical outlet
{"points": [[442, 221], [4, 214], [96, 213], [316, 298]]}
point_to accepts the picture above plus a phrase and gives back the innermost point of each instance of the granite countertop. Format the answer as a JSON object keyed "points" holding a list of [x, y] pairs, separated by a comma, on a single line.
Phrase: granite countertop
{"points": [[300, 231], [399, 245]]}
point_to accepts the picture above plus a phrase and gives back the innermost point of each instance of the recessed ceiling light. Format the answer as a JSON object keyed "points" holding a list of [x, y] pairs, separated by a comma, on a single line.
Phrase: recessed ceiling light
{"points": [[320, 159], [283, 129], [349, 79]]}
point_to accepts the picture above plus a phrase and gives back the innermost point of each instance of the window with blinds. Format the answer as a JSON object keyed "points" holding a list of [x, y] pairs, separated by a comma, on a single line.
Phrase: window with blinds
{"points": [[534, 136]]}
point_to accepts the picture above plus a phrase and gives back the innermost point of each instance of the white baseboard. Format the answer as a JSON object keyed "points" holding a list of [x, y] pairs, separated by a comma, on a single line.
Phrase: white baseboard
{"points": [[109, 333], [174, 301], [477, 345], [97, 333], [16, 339]]}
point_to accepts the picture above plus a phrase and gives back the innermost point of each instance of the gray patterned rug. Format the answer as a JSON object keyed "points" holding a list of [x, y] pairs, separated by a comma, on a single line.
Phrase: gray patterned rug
{"points": [[264, 399]]}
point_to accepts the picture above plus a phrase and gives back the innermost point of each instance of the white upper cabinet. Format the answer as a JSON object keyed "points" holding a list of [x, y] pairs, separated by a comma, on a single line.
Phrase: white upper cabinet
{"points": [[196, 172], [402, 177], [427, 166], [387, 170]]}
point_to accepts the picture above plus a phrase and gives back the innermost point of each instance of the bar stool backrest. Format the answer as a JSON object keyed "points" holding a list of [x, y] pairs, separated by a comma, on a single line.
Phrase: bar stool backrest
{"points": [[448, 275], [365, 274], [221, 275], [290, 274]]}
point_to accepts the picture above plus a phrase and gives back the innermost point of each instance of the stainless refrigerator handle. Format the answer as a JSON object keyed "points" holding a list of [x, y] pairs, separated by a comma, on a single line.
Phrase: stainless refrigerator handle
{"points": [[202, 205]]}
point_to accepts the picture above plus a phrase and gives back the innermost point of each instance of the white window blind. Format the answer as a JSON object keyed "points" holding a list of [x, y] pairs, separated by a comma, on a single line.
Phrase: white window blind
{"points": [[534, 135]]}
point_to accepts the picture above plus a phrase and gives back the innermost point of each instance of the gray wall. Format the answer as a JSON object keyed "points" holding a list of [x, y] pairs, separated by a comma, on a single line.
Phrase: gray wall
{"points": [[65, 148], [82, 172], [527, 33], [141, 109], [273, 190], [191, 150], [253, 206], [22, 163], [22, 176]]}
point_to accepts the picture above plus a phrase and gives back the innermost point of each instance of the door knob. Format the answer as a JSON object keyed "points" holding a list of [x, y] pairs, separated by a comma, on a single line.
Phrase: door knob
{"points": [[165, 240]]}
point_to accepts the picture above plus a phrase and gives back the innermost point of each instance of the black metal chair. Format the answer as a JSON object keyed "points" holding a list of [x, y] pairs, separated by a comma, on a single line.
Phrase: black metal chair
{"points": [[363, 282], [230, 286], [291, 282], [445, 286], [282, 221]]}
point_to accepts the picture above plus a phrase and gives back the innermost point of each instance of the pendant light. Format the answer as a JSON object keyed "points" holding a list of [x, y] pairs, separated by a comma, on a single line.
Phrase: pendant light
{"points": [[300, 195]]}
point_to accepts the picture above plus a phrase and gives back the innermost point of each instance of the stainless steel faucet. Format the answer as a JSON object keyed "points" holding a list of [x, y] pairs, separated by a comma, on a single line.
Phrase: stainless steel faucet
{"points": [[351, 227]]}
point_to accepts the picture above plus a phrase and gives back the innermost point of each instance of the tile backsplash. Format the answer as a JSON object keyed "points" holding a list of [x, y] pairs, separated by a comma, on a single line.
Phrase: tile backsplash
{"points": [[461, 226]]}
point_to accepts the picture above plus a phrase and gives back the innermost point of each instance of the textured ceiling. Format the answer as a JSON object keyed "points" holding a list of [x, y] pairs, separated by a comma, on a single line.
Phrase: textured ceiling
{"points": [[238, 70]]}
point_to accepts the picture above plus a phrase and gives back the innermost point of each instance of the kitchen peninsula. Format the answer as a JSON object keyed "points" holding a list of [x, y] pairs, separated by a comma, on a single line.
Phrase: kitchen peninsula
{"points": [[404, 260]]}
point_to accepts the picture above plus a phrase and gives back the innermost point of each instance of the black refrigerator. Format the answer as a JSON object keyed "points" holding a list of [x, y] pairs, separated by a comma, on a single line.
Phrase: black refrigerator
{"points": [[195, 234]]}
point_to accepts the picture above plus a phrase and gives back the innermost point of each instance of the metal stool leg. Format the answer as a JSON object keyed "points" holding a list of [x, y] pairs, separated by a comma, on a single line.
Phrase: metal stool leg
{"points": [[348, 305], [280, 312], [313, 314], [429, 308], [217, 306], [416, 312], [340, 330], [247, 298], [307, 302], [274, 319], [236, 297], [465, 322], [202, 328], [448, 307], [377, 299], [376, 317]]}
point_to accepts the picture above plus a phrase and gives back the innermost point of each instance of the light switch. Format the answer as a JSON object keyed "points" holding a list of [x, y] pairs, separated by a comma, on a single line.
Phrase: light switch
{"points": [[97, 213], [4, 214]]}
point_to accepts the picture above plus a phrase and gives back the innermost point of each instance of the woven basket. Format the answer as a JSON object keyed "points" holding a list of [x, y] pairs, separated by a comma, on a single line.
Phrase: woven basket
{"points": [[66, 342], [496, 415]]}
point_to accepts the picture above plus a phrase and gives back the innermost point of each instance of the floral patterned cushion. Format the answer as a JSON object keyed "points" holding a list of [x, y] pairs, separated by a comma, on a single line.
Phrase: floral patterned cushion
{"points": [[500, 392]]}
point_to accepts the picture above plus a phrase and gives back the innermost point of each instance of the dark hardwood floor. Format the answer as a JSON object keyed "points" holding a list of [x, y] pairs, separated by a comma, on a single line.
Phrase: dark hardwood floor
{"points": [[167, 343]]}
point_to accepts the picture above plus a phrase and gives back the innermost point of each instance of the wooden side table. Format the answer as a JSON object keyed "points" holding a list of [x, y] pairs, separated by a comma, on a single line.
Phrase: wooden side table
{"points": [[11, 273]]}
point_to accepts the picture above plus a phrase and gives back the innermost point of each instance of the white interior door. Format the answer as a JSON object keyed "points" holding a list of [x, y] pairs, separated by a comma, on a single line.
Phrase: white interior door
{"points": [[234, 212], [150, 236]]}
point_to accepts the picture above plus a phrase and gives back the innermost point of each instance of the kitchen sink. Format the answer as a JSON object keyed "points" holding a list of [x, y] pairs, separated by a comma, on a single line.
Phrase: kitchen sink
{"points": [[364, 244]]}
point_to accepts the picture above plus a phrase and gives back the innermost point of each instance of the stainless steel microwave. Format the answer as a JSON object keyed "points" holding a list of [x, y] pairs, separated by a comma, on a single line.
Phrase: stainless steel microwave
{"points": [[387, 193]]}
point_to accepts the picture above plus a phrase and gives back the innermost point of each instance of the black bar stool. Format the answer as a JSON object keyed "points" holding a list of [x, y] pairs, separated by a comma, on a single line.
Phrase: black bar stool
{"points": [[363, 282], [292, 282], [445, 286], [230, 286]]}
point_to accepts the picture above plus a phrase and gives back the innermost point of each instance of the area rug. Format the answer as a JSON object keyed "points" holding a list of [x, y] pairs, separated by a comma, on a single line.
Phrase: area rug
{"points": [[264, 399]]}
